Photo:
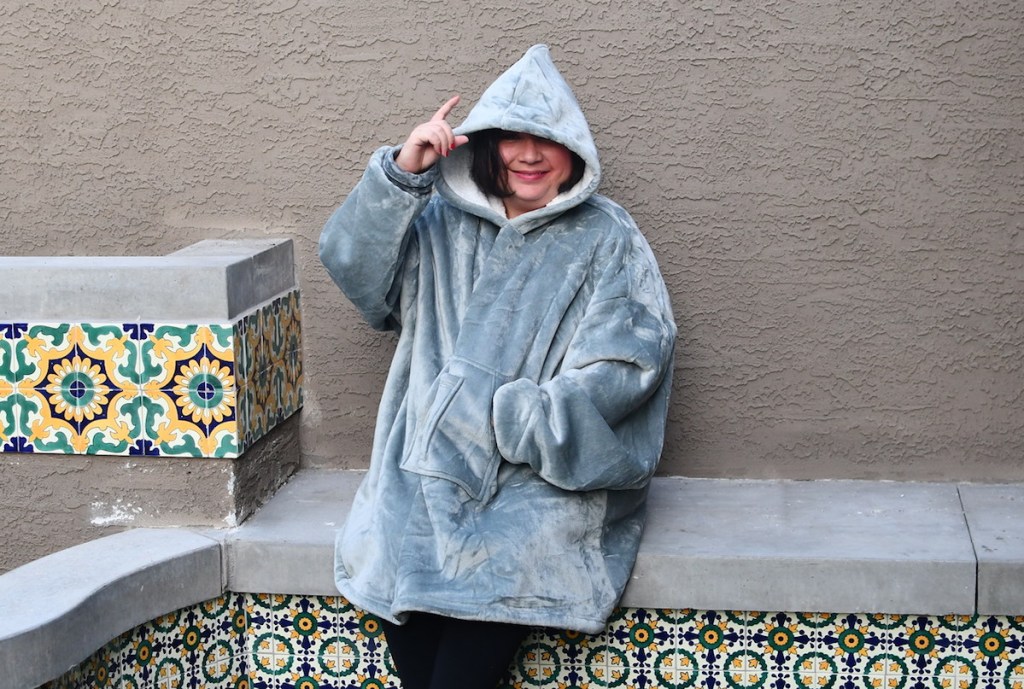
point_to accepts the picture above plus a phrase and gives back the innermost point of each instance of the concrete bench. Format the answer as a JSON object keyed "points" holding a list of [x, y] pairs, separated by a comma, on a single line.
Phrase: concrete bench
{"points": [[842, 546], [867, 546]]}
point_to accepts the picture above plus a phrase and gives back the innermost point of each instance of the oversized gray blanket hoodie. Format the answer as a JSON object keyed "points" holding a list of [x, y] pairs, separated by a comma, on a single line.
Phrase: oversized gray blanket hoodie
{"points": [[524, 410]]}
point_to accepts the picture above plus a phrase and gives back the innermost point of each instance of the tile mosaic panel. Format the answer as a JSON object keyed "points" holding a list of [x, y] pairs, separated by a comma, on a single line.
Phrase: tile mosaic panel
{"points": [[300, 642], [193, 390], [270, 371], [202, 646]]}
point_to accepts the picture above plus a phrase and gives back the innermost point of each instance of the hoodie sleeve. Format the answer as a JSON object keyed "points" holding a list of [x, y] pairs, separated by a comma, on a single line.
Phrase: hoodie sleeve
{"points": [[367, 244], [600, 422]]}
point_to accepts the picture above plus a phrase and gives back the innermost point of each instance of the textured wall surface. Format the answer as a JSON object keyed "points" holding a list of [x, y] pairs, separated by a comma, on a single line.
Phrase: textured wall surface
{"points": [[52, 502], [833, 189]]}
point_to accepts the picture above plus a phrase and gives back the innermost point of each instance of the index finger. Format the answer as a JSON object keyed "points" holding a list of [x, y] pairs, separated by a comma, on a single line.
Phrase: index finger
{"points": [[443, 111]]}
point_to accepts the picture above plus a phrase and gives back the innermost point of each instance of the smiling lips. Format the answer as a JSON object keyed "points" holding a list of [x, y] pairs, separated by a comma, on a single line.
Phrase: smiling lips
{"points": [[529, 175]]}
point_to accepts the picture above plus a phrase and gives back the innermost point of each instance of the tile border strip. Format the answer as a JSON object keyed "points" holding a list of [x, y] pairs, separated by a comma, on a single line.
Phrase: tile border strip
{"points": [[150, 388]]}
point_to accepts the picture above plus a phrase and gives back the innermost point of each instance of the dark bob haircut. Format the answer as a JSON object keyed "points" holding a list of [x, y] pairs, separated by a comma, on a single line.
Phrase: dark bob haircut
{"points": [[488, 170]]}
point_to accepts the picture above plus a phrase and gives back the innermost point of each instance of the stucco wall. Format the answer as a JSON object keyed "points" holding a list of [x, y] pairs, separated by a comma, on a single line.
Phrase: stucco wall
{"points": [[833, 189]]}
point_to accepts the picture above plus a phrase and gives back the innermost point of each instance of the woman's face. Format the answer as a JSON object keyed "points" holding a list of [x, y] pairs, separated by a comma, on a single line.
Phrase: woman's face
{"points": [[535, 169]]}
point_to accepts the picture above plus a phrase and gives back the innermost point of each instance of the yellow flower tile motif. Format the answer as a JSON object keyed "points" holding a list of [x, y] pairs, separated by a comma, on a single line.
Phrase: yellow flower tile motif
{"points": [[218, 662], [205, 391], [271, 654], [538, 664], [1015, 675], [992, 643], [956, 673], [921, 641], [744, 669], [885, 671], [338, 658], [851, 640], [815, 670], [76, 389], [712, 635], [191, 390], [781, 639], [678, 668]]}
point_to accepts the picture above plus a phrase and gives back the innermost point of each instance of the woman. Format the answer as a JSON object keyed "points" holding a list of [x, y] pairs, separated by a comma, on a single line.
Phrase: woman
{"points": [[524, 411]]}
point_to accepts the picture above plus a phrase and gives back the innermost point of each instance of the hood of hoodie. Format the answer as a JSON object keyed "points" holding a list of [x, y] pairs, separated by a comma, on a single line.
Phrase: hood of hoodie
{"points": [[532, 97]]}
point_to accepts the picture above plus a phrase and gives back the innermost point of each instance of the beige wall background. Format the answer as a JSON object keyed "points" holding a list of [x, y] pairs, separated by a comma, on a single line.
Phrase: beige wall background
{"points": [[833, 190]]}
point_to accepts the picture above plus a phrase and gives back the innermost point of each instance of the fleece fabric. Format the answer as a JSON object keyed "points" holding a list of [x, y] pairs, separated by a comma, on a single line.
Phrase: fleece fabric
{"points": [[524, 411]]}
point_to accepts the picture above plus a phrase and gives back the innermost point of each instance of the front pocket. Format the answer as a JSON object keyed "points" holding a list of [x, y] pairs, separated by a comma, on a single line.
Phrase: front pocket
{"points": [[456, 441]]}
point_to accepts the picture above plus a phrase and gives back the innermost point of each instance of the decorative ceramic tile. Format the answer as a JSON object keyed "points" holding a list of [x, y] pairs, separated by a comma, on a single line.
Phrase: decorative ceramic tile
{"points": [[200, 647], [291, 642], [195, 390], [188, 379], [248, 353], [275, 323], [270, 388], [315, 642], [78, 394]]}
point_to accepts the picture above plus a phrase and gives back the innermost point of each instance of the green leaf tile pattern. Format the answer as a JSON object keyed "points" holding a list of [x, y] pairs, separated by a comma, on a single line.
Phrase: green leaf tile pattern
{"points": [[304, 642]]}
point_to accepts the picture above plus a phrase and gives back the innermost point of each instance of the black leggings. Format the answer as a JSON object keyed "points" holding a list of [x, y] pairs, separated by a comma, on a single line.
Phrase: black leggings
{"points": [[434, 652]]}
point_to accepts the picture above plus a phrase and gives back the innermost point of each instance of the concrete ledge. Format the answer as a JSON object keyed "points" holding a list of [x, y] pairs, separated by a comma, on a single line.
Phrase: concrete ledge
{"points": [[810, 546], [995, 514], [288, 546], [255, 270], [222, 278], [56, 611]]}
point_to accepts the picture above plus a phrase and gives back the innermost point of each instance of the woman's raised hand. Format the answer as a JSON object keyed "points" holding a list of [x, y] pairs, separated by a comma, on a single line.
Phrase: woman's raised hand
{"points": [[430, 141]]}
